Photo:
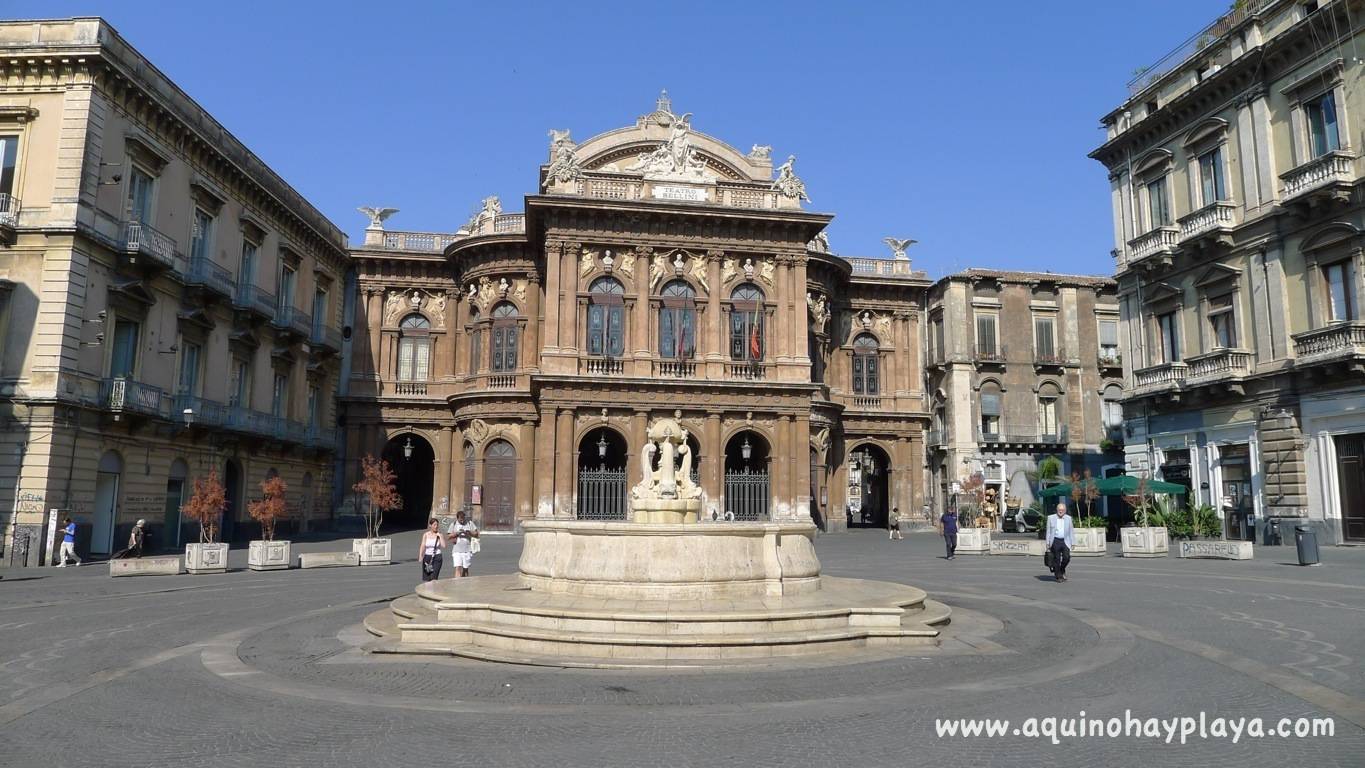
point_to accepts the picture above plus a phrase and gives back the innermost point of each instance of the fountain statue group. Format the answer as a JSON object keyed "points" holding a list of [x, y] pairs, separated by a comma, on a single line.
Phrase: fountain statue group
{"points": [[666, 492]]}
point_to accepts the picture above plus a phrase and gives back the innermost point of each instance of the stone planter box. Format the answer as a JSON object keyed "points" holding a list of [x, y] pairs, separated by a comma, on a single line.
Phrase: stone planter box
{"points": [[168, 565], [328, 559], [268, 555], [1089, 543], [1016, 547], [1221, 550], [973, 541], [206, 558], [373, 551], [1145, 542]]}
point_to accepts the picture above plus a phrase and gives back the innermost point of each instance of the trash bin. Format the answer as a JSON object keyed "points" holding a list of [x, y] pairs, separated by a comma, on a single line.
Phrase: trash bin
{"points": [[1307, 542]]}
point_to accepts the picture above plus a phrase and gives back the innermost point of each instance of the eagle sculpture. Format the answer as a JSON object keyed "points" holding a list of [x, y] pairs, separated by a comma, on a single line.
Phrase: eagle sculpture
{"points": [[377, 215], [898, 246]]}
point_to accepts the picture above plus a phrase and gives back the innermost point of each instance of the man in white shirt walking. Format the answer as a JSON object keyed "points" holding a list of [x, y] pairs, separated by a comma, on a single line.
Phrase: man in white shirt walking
{"points": [[1061, 537], [463, 535]]}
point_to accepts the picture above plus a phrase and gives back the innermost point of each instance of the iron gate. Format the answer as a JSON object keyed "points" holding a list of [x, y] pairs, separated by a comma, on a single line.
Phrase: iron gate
{"points": [[601, 494], [746, 495]]}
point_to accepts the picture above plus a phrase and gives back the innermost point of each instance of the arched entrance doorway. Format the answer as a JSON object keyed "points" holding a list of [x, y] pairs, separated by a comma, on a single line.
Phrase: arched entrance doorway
{"points": [[232, 490], [106, 503], [413, 460], [602, 475], [175, 498], [868, 497], [747, 494], [500, 486]]}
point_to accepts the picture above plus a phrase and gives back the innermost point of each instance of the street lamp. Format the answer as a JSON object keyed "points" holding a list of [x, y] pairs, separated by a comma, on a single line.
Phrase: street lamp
{"points": [[407, 449], [188, 415], [602, 446], [746, 450]]}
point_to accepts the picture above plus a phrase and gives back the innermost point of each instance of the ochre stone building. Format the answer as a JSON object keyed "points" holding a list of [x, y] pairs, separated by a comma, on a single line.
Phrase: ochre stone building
{"points": [[511, 367]]}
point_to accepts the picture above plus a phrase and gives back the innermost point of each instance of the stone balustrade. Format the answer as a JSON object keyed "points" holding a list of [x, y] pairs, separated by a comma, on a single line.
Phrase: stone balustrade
{"points": [[1159, 377], [676, 369], [1332, 168], [1216, 216], [1339, 341], [433, 242], [1218, 365], [502, 381], [1160, 241], [410, 388], [603, 366]]}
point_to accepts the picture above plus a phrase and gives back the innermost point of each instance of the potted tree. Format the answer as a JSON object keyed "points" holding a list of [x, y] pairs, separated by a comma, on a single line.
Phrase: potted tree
{"points": [[267, 554], [206, 507], [1089, 528], [973, 531], [381, 494], [1145, 539]]}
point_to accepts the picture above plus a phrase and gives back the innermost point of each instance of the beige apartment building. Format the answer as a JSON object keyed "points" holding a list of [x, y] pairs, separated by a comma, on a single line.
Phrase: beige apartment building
{"points": [[1235, 165], [1021, 366], [168, 305]]}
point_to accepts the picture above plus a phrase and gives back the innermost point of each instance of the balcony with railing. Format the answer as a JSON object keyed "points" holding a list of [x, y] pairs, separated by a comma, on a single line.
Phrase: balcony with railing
{"points": [[892, 269], [1109, 360], [1166, 377], [1212, 220], [675, 369], [502, 381], [122, 395], [146, 246], [1330, 175], [934, 438], [258, 301], [432, 242], [603, 366], [746, 371], [323, 336], [1220, 365], [409, 388], [1053, 358], [868, 402], [9, 216], [1158, 244], [205, 273], [293, 321], [199, 411], [989, 354], [1024, 434], [1339, 342]]}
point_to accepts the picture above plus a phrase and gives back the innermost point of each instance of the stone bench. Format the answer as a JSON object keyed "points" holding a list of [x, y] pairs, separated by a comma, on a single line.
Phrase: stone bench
{"points": [[328, 559], [167, 565], [1017, 547], [1220, 550]]}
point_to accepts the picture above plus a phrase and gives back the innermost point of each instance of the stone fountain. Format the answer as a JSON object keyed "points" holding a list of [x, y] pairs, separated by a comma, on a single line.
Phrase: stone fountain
{"points": [[661, 589]]}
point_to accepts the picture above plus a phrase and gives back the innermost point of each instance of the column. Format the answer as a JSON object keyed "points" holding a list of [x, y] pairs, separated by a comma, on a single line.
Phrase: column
{"points": [[445, 458], [713, 461], [780, 289], [374, 319], [639, 316], [564, 464], [568, 290], [544, 464], [780, 464], [714, 332], [553, 297], [635, 445], [800, 458], [530, 348], [525, 504], [796, 300]]}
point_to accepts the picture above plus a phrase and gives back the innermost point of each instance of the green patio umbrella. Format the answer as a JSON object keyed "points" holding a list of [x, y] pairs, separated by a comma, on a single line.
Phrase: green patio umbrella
{"points": [[1120, 485]]}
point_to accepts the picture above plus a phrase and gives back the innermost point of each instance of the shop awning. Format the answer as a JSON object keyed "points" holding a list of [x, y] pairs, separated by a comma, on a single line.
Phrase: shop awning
{"points": [[1121, 485]]}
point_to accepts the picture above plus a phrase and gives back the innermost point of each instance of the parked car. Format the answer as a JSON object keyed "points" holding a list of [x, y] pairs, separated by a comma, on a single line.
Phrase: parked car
{"points": [[1021, 520]]}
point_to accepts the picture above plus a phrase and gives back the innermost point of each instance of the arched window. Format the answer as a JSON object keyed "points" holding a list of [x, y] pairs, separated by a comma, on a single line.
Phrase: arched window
{"points": [[504, 337], [1111, 411], [475, 339], [866, 380], [746, 324], [606, 318], [1049, 421], [414, 348], [678, 321], [990, 410]]}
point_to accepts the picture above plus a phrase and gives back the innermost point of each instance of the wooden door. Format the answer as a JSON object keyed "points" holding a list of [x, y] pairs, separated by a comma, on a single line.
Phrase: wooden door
{"points": [[1351, 481], [499, 486]]}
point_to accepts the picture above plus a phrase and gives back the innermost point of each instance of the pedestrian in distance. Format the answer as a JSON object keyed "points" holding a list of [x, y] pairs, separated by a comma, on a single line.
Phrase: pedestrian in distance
{"points": [[69, 542], [464, 543], [948, 525], [136, 538], [893, 528], [429, 552], [1061, 537]]}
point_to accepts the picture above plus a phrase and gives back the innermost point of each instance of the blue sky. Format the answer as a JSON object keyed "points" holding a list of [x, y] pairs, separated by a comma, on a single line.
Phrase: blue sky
{"points": [[964, 125]]}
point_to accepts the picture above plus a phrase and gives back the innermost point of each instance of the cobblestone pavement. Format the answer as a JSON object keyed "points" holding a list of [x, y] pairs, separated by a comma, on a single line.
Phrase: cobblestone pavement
{"points": [[260, 668]]}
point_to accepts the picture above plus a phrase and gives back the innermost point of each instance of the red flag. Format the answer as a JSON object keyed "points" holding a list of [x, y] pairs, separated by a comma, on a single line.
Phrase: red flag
{"points": [[755, 341]]}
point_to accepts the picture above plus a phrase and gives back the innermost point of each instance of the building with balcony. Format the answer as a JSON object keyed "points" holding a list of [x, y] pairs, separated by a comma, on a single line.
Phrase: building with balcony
{"points": [[1021, 366], [1235, 180], [168, 304], [511, 367]]}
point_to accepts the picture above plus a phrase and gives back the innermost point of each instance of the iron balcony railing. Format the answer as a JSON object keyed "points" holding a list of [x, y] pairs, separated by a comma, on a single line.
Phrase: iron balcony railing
{"points": [[989, 353], [203, 271], [199, 411], [1146, 77], [142, 240], [1025, 434], [324, 335], [293, 320], [254, 299], [9, 211], [121, 395]]}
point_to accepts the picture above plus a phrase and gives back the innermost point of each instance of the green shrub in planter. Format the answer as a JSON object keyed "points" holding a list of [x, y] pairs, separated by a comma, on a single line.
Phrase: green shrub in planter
{"points": [[1092, 521]]}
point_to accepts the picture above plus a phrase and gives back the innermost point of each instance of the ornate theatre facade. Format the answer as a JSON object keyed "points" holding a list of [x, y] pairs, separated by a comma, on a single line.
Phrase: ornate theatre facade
{"points": [[511, 367]]}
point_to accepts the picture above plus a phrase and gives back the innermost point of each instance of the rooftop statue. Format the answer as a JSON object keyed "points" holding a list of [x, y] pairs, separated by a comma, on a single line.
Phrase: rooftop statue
{"points": [[377, 215], [898, 247], [675, 159], [565, 168], [787, 183]]}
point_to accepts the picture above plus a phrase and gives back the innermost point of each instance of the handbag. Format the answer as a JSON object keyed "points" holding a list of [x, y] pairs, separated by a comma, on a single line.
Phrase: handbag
{"points": [[473, 546], [428, 565], [1047, 559]]}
